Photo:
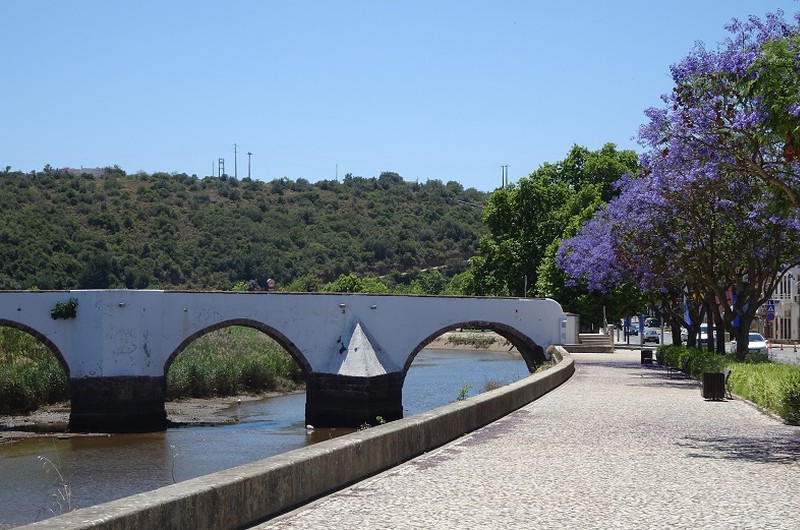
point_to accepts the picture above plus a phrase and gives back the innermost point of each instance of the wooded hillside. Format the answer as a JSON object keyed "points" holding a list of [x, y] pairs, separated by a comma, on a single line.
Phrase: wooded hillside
{"points": [[174, 231]]}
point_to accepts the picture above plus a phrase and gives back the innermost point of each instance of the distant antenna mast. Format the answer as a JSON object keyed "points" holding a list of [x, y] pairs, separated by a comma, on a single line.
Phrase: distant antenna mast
{"points": [[235, 171], [249, 154], [503, 176], [220, 167]]}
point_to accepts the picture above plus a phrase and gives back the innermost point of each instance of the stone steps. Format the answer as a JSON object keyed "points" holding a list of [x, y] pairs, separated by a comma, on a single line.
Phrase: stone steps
{"points": [[592, 343]]}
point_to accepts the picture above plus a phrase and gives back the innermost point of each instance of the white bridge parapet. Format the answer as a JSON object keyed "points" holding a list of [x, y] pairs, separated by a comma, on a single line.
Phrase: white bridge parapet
{"points": [[137, 334]]}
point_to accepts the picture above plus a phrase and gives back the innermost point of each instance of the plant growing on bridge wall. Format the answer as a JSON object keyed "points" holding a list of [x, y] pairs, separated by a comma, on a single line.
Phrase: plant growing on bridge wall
{"points": [[65, 310]]}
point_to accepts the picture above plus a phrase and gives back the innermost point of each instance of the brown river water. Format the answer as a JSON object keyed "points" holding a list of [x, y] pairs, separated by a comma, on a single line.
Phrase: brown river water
{"points": [[43, 476]]}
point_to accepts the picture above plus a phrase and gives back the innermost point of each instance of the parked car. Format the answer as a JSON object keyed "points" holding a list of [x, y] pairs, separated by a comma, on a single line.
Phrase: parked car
{"points": [[756, 343], [651, 335], [632, 330]]}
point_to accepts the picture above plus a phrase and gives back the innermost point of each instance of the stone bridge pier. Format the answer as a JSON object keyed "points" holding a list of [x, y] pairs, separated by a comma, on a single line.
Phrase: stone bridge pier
{"points": [[354, 349]]}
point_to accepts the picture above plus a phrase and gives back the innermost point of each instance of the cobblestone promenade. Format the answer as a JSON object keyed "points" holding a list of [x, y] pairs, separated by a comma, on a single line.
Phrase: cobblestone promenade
{"points": [[620, 445]]}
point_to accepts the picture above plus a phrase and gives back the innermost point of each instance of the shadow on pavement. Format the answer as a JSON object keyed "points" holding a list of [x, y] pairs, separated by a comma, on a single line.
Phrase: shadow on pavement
{"points": [[765, 450]]}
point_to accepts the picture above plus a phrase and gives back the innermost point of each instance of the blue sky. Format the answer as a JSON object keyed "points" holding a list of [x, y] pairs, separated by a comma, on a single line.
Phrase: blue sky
{"points": [[447, 90]]}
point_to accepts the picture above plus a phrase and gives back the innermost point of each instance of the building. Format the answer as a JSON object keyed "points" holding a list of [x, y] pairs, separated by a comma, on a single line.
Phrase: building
{"points": [[779, 319]]}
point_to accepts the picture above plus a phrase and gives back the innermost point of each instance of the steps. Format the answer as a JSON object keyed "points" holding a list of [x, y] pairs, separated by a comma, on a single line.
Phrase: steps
{"points": [[592, 343]]}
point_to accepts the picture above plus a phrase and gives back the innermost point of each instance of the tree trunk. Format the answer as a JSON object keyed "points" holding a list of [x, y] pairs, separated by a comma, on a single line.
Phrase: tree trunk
{"points": [[709, 327], [720, 336], [743, 336], [676, 333]]}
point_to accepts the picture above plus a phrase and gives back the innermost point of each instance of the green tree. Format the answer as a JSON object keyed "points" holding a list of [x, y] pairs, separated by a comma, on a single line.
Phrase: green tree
{"points": [[308, 283], [526, 219], [97, 272]]}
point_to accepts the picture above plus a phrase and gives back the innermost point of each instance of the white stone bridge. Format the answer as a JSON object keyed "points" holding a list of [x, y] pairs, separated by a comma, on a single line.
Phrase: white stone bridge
{"points": [[354, 349]]}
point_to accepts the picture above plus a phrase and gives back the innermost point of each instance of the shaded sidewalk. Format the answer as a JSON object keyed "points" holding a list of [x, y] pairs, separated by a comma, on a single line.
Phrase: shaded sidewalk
{"points": [[620, 445]]}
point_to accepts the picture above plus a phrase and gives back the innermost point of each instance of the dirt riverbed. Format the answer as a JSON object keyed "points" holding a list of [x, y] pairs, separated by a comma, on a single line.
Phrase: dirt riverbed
{"points": [[217, 410]]}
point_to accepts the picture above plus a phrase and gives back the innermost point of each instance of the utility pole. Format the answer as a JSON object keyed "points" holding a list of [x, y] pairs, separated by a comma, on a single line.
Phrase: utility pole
{"points": [[235, 172], [249, 154]]}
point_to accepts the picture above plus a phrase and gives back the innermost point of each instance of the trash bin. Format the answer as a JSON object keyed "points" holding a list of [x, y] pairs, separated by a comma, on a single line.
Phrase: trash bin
{"points": [[647, 356], [713, 385]]}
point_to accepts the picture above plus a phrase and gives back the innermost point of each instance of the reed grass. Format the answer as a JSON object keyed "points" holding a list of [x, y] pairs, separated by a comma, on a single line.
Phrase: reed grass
{"points": [[30, 374], [229, 361], [476, 340]]}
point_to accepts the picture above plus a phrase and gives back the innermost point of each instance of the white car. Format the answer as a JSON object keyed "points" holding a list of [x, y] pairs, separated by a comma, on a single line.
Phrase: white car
{"points": [[756, 343]]}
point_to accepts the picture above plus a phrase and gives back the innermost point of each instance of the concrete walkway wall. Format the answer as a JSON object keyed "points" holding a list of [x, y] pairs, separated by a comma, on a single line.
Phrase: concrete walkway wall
{"points": [[247, 494]]}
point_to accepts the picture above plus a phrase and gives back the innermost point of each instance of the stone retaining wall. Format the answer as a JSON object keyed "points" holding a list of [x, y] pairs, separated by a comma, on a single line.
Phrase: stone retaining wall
{"points": [[250, 493]]}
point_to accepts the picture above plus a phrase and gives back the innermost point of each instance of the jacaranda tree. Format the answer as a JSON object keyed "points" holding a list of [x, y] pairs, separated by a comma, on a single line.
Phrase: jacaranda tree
{"points": [[736, 108], [712, 218]]}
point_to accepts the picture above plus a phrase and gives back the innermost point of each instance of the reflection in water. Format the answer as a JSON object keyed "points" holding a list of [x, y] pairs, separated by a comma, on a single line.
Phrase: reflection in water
{"points": [[101, 468]]}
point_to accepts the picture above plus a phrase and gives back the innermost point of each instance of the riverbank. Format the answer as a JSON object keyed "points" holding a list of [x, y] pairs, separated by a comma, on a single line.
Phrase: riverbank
{"points": [[214, 410], [473, 340], [52, 420]]}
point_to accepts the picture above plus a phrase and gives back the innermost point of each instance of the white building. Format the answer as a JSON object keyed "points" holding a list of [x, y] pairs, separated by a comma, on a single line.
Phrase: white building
{"points": [[785, 308]]}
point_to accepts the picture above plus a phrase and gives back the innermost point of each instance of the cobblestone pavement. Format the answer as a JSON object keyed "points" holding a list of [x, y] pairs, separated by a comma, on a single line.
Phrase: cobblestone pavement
{"points": [[620, 445]]}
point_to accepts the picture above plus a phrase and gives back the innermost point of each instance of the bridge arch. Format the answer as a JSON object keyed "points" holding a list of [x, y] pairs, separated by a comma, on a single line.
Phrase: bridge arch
{"points": [[273, 333], [41, 338], [533, 354]]}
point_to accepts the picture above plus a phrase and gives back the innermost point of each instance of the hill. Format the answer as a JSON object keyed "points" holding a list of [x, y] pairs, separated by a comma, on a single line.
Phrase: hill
{"points": [[62, 230]]}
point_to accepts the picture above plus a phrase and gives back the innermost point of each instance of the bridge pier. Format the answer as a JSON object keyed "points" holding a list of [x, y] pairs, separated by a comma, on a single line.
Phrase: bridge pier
{"points": [[334, 400], [117, 404]]}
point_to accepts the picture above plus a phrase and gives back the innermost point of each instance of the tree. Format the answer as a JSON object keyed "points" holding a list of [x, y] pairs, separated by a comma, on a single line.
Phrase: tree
{"points": [[308, 283], [97, 272], [351, 283], [736, 109], [720, 238], [527, 220], [732, 117]]}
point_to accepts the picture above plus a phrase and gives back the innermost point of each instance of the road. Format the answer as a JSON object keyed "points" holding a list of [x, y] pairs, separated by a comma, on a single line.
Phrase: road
{"points": [[779, 353]]}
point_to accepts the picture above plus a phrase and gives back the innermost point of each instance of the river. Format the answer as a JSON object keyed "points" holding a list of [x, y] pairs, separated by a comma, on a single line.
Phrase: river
{"points": [[101, 468]]}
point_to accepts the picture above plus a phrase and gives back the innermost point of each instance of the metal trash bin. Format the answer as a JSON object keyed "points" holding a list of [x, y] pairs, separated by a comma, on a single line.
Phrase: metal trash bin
{"points": [[647, 356], [713, 385]]}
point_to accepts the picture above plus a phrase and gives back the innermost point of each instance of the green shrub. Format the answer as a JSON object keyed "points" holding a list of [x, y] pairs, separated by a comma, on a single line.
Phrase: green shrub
{"points": [[790, 401], [775, 387]]}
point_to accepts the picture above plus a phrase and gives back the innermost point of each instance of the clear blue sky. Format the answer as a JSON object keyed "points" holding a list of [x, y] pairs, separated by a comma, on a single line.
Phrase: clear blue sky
{"points": [[447, 90]]}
